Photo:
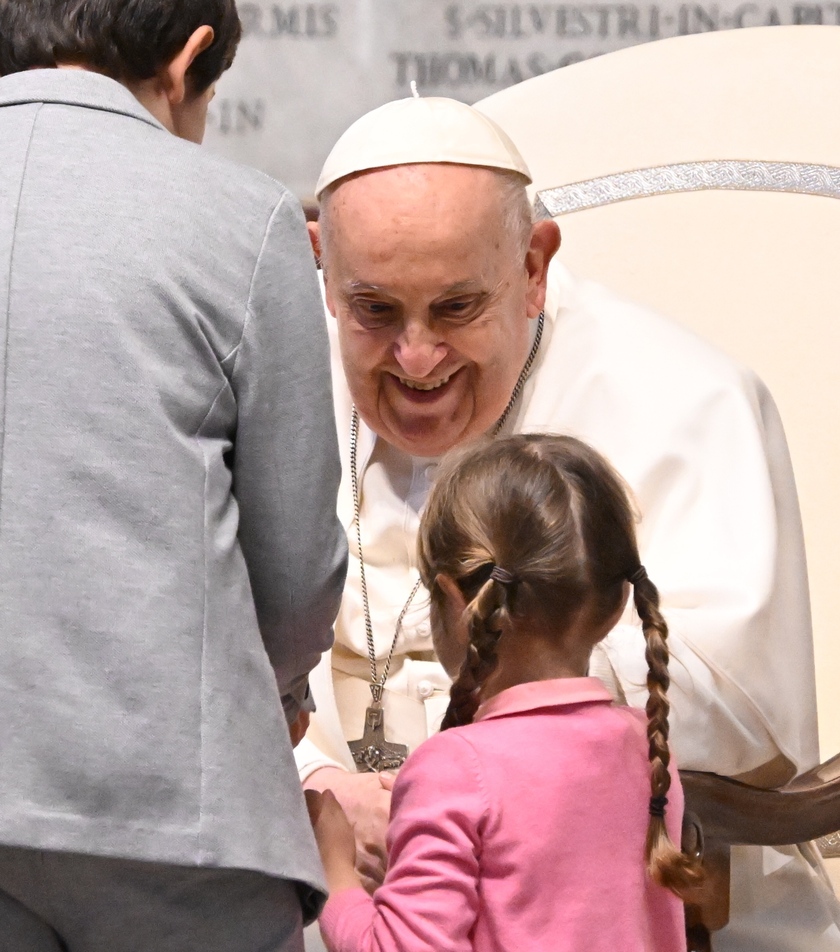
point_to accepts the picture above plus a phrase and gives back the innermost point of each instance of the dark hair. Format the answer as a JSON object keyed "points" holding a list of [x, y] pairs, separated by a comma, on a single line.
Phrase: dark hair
{"points": [[539, 528], [128, 40]]}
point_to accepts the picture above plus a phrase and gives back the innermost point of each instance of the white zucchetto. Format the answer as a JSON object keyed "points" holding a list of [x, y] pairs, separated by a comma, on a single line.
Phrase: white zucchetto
{"points": [[418, 130]]}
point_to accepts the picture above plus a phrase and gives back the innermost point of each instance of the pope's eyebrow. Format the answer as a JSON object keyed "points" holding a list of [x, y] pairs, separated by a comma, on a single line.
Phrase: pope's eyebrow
{"points": [[469, 286], [462, 287], [365, 287]]}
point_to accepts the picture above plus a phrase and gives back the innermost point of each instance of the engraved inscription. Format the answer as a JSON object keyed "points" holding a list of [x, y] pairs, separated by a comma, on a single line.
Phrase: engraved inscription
{"points": [[622, 21], [236, 116], [310, 21], [500, 44], [457, 70], [306, 69], [529, 21]]}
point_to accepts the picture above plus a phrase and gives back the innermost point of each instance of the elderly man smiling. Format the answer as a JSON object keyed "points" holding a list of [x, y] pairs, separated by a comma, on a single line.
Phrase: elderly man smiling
{"points": [[452, 320]]}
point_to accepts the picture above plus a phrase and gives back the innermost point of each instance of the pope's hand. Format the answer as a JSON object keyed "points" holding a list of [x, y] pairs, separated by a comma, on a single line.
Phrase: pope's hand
{"points": [[366, 801], [334, 836]]}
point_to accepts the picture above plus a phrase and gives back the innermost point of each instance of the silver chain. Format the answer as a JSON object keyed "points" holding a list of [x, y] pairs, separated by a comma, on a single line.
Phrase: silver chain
{"points": [[523, 376], [377, 682]]}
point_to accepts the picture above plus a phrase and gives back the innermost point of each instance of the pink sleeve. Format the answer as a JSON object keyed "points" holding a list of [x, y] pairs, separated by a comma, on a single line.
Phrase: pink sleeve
{"points": [[429, 899]]}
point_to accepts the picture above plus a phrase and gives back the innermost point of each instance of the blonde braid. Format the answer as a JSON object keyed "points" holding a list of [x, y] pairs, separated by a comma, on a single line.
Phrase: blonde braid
{"points": [[666, 863]]}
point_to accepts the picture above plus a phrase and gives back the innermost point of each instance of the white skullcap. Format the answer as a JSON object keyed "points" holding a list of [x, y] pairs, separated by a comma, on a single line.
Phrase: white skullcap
{"points": [[417, 130]]}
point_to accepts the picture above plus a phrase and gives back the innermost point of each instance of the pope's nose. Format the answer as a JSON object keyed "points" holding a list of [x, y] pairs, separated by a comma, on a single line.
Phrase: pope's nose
{"points": [[419, 351]]}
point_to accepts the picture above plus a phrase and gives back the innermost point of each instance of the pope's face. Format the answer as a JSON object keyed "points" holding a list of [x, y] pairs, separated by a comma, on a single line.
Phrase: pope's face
{"points": [[433, 300]]}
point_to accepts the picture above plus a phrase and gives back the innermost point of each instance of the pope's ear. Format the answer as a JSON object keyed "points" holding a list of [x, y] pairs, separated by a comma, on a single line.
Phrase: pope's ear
{"points": [[314, 230], [544, 244]]}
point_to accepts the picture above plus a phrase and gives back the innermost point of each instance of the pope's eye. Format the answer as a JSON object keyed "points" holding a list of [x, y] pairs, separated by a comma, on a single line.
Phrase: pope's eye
{"points": [[461, 309], [373, 314], [369, 306]]}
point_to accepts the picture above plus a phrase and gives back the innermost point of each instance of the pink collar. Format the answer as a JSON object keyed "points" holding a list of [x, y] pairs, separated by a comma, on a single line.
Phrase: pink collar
{"points": [[537, 694]]}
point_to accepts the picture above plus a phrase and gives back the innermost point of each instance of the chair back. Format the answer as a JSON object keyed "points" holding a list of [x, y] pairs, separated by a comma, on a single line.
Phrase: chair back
{"points": [[701, 176]]}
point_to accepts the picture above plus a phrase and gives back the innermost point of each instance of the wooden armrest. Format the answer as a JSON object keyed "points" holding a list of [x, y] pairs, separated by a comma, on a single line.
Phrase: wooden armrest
{"points": [[734, 812], [824, 773]]}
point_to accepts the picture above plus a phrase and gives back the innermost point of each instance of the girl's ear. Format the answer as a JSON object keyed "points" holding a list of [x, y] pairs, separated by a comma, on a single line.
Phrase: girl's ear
{"points": [[452, 592], [628, 594], [609, 623], [449, 629]]}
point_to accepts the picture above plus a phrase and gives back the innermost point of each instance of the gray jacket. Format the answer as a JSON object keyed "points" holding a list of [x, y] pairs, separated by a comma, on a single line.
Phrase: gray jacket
{"points": [[168, 473]]}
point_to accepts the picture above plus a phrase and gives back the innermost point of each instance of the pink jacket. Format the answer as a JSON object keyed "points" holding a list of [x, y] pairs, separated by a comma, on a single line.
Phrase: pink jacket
{"points": [[523, 832]]}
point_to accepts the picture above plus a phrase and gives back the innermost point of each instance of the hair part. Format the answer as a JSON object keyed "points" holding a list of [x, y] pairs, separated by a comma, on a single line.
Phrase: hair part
{"points": [[558, 518], [535, 505], [128, 40]]}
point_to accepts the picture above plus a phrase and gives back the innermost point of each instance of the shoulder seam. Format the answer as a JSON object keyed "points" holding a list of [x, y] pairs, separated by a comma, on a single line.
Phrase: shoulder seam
{"points": [[271, 218], [9, 304]]}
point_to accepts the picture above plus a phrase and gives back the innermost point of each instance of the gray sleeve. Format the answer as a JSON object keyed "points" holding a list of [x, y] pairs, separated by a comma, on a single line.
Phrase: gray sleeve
{"points": [[286, 468]]}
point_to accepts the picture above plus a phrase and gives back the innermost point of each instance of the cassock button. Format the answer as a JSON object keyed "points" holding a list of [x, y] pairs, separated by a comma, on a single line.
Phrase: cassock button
{"points": [[425, 688]]}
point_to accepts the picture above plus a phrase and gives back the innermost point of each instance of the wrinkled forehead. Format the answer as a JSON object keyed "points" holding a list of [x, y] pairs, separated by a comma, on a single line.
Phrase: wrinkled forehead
{"points": [[415, 203]]}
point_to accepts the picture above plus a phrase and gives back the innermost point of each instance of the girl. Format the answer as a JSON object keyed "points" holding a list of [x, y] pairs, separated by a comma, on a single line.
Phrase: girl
{"points": [[539, 818]]}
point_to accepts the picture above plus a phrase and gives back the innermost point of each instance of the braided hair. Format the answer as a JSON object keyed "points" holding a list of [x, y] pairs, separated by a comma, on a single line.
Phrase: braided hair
{"points": [[487, 612], [536, 529], [666, 863]]}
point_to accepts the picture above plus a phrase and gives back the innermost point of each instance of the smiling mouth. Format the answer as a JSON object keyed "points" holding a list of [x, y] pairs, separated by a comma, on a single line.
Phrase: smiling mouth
{"points": [[417, 385]]}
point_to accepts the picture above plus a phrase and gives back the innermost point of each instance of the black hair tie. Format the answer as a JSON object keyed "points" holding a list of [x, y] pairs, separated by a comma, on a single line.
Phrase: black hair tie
{"points": [[638, 574], [657, 806], [501, 575]]}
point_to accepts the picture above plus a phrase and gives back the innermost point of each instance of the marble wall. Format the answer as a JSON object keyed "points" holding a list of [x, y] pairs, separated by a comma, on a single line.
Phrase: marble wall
{"points": [[305, 71]]}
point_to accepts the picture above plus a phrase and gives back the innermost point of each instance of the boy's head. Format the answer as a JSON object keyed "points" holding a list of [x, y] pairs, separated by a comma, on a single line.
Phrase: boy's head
{"points": [[128, 40]]}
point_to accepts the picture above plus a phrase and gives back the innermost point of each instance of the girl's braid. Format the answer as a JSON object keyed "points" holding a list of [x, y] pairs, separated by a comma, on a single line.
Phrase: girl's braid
{"points": [[485, 615], [666, 864]]}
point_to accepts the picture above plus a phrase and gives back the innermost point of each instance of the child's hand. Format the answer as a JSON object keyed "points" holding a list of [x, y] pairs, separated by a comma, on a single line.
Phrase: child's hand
{"points": [[335, 838], [366, 801]]}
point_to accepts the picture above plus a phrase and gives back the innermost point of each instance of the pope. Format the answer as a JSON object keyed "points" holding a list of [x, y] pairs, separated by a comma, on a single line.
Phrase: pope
{"points": [[451, 318]]}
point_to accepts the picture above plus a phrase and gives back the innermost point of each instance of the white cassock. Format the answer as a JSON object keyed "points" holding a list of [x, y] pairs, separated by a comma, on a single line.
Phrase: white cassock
{"points": [[699, 440]]}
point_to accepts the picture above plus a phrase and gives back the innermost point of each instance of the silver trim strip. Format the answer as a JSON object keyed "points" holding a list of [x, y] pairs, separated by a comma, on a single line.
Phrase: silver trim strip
{"points": [[731, 174]]}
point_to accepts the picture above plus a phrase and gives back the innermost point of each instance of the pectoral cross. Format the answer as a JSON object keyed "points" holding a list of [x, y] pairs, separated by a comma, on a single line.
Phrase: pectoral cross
{"points": [[373, 753]]}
